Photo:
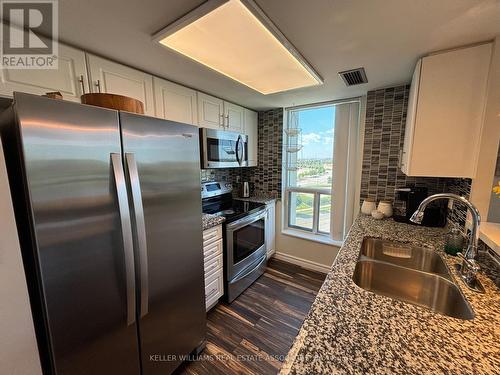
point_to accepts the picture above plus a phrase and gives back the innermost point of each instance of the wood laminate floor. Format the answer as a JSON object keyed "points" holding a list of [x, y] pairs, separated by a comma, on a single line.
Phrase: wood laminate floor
{"points": [[253, 334]]}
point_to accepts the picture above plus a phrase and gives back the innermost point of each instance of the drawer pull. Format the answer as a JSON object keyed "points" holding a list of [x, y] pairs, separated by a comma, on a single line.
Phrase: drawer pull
{"points": [[212, 267], [210, 234], [214, 247], [212, 292], [210, 253]]}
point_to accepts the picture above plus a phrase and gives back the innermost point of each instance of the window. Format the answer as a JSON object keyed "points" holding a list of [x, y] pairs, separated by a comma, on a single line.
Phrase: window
{"points": [[319, 153]]}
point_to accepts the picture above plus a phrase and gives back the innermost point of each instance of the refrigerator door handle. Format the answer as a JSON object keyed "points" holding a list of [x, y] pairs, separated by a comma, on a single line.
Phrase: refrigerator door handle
{"points": [[126, 227], [140, 227]]}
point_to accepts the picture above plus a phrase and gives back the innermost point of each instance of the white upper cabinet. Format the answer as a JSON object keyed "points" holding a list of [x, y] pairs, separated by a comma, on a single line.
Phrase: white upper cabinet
{"points": [[251, 129], [210, 111], [175, 102], [113, 78], [234, 117], [445, 113], [410, 117], [70, 79], [81, 73], [216, 113]]}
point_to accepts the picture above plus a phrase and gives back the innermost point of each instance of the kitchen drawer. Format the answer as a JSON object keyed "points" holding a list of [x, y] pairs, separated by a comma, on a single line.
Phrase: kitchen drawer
{"points": [[213, 265], [214, 289], [212, 234], [213, 249]]}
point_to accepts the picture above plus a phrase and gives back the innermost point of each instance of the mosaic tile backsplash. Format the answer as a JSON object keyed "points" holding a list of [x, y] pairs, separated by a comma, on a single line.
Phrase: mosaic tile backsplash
{"points": [[265, 179], [383, 142]]}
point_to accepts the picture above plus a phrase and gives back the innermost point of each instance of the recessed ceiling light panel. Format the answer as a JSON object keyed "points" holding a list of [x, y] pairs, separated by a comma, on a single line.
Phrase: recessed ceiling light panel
{"points": [[235, 38]]}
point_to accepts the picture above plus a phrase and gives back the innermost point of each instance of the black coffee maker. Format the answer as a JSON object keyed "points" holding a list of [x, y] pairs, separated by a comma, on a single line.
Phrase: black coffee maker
{"points": [[435, 213]]}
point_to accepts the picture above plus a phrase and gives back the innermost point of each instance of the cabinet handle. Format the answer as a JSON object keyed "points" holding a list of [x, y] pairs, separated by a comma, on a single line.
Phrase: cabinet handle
{"points": [[212, 267], [211, 293], [209, 236], [212, 247], [98, 85], [209, 253], [221, 123], [227, 122], [81, 82]]}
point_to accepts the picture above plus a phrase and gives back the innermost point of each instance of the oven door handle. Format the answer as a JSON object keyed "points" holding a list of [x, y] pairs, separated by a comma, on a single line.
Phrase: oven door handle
{"points": [[247, 220], [245, 273]]}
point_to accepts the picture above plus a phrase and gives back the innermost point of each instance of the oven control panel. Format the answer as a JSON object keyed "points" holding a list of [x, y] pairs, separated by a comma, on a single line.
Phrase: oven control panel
{"points": [[215, 188]]}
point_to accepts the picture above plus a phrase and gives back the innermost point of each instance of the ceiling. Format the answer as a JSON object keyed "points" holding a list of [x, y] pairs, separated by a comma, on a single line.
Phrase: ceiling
{"points": [[384, 36]]}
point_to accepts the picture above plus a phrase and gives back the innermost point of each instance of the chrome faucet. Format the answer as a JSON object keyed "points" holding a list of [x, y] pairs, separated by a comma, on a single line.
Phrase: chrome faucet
{"points": [[469, 268]]}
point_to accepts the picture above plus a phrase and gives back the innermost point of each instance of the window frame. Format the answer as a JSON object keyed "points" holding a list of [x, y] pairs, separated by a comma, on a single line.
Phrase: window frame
{"points": [[316, 192], [351, 193]]}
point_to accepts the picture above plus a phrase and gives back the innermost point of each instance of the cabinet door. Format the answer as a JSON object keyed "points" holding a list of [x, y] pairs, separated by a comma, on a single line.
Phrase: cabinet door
{"points": [[210, 111], [270, 229], [214, 289], [449, 113], [175, 102], [410, 118], [113, 78], [251, 129], [234, 117], [67, 79]]}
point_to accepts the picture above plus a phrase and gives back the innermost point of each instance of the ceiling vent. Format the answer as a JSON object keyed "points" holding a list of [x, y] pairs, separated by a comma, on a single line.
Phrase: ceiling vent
{"points": [[354, 76]]}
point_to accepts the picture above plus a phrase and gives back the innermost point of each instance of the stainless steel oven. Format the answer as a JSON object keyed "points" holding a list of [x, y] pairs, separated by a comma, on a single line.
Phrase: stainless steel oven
{"points": [[223, 149], [245, 252], [244, 236]]}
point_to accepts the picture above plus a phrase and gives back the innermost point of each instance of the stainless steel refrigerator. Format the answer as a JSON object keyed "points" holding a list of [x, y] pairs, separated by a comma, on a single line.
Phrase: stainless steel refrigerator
{"points": [[108, 209]]}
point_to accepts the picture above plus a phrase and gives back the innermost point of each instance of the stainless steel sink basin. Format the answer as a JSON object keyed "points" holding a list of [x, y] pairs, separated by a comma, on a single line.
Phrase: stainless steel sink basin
{"points": [[410, 274], [400, 254], [419, 288]]}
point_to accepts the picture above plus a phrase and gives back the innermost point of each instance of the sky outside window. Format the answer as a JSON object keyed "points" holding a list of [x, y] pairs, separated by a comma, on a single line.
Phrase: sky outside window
{"points": [[317, 132], [314, 160]]}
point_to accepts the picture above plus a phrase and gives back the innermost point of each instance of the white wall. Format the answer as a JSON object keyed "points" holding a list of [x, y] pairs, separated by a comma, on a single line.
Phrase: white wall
{"points": [[483, 182], [309, 254], [18, 347]]}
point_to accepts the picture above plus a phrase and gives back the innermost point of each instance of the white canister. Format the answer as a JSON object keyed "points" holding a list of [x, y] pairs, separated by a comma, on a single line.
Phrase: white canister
{"points": [[368, 206], [385, 207]]}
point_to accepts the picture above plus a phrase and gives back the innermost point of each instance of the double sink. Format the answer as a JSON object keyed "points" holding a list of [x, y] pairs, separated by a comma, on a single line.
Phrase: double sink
{"points": [[410, 274]]}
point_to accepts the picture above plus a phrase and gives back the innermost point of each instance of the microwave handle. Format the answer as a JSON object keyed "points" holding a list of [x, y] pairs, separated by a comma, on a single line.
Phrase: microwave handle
{"points": [[236, 149], [239, 158]]}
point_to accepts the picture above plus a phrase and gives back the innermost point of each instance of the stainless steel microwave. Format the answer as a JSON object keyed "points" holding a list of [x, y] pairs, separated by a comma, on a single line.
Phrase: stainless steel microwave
{"points": [[223, 149]]}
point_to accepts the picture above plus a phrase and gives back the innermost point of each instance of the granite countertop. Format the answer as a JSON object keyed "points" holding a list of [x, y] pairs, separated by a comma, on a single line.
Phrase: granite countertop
{"points": [[210, 221], [259, 199], [352, 331]]}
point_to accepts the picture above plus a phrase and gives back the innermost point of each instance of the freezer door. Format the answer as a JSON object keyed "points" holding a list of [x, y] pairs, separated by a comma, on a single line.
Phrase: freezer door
{"points": [[163, 167], [72, 175]]}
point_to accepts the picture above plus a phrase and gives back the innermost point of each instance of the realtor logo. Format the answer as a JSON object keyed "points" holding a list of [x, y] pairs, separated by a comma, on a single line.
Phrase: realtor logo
{"points": [[29, 34]]}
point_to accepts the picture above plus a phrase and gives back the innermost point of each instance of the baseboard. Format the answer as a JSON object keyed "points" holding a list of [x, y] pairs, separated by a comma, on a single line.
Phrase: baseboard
{"points": [[304, 263]]}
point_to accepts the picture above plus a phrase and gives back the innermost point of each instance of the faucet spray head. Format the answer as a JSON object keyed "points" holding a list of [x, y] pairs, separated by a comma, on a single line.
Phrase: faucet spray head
{"points": [[417, 217]]}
